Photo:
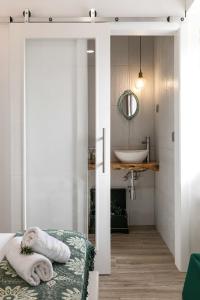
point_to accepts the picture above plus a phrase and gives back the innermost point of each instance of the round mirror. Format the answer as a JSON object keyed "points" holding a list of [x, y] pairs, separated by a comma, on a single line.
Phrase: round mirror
{"points": [[128, 104]]}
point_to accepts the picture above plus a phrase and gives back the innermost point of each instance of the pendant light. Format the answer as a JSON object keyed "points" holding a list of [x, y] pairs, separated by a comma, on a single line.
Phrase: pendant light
{"points": [[140, 80]]}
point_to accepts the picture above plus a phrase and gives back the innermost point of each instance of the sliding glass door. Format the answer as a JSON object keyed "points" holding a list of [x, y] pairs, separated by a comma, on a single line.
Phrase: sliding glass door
{"points": [[56, 112], [49, 98]]}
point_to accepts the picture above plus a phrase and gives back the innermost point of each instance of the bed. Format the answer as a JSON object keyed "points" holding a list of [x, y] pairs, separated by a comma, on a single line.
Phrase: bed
{"points": [[70, 281]]}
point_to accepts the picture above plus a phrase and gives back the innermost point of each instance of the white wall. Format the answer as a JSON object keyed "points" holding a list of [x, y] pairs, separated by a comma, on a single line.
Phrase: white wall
{"points": [[189, 3], [4, 133], [190, 134], [103, 7], [164, 97], [189, 200]]}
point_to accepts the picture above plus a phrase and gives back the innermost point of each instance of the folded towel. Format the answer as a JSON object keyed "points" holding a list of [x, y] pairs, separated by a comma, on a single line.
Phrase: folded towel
{"points": [[41, 242], [32, 268]]}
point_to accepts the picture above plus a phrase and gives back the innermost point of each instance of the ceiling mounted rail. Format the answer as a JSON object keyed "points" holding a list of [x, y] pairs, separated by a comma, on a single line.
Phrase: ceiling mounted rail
{"points": [[92, 18]]}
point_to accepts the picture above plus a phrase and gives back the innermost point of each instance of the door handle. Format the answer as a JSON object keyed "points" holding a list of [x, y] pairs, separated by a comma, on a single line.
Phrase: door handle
{"points": [[104, 150]]}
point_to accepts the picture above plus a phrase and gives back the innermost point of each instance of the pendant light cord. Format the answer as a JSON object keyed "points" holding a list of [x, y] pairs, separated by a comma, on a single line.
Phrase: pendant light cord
{"points": [[129, 75], [140, 54]]}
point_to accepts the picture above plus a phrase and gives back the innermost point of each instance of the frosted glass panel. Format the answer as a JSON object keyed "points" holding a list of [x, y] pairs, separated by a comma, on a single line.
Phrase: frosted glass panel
{"points": [[56, 117]]}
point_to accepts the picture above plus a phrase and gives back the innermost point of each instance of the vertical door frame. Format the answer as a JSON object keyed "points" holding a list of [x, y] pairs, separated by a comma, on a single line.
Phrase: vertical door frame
{"points": [[101, 33]]}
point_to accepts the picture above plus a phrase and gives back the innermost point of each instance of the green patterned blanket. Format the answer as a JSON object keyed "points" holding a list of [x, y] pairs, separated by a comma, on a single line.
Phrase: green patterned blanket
{"points": [[69, 282]]}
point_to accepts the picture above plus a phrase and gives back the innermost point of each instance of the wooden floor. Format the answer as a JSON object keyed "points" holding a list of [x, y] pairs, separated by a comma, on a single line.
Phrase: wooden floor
{"points": [[142, 268]]}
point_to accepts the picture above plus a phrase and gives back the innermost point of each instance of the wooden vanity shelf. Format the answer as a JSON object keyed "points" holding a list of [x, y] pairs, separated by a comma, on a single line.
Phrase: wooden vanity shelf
{"points": [[153, 166]]}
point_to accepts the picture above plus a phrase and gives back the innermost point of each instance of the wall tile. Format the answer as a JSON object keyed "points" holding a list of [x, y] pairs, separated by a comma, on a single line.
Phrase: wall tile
{"points": [[119, 50], [119, 82], [119, 128], [141, 210]]}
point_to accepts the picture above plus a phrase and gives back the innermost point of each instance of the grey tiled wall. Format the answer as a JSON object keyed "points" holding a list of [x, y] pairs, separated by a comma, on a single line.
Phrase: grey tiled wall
{"points": [[129, 134]]}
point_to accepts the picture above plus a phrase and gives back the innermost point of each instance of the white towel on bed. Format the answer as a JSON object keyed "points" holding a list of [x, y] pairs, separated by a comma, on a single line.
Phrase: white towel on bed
{"points": [[32, 268], [41, 242]]}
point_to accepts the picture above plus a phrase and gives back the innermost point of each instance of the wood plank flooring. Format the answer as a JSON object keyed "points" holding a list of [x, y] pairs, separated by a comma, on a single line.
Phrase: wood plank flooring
{"points": [[142, 268]]}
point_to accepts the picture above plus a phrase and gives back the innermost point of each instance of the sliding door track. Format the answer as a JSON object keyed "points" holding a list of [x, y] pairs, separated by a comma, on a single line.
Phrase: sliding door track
{"points": [[92, 18]]}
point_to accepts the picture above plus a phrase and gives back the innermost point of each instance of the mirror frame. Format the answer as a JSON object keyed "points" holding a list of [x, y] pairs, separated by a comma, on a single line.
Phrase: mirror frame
{"points": [[120, 105]]}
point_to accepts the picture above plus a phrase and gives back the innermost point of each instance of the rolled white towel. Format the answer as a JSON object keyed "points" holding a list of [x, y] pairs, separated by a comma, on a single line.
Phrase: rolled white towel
{"points": [[32, 268], [41, 242]]}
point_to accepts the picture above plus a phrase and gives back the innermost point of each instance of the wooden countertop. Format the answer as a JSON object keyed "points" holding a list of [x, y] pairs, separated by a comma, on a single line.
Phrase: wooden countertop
{"points": [[153, 166]]}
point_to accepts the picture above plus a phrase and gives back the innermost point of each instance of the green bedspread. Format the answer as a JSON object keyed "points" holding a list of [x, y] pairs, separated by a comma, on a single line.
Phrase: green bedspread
{"points": [[69, 282], [191, 290]]}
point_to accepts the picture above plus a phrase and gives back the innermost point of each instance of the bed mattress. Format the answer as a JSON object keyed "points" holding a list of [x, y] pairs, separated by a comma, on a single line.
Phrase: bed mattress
{"points": [[70, 280]]}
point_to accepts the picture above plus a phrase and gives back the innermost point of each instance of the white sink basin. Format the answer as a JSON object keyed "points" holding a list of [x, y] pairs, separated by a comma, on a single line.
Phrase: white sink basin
{"points": [[131, 156]]}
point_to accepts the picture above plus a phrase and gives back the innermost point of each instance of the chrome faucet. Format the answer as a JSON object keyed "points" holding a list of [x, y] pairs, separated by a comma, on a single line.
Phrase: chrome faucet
{"points": [[147, 143]]}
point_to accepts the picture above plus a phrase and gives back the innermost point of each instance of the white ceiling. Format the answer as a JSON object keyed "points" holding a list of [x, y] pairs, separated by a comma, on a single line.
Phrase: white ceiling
{"points": [[103, 7], [189, 3], [194, 9]]}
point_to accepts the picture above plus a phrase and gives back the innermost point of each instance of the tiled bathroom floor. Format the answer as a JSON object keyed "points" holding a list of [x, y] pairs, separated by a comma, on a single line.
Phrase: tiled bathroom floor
{"points": [[142, 268]]}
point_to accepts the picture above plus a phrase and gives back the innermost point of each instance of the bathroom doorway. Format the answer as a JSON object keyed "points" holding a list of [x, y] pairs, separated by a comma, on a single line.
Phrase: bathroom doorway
{"points": [[142, 196], [142, 192], [149, 193]]}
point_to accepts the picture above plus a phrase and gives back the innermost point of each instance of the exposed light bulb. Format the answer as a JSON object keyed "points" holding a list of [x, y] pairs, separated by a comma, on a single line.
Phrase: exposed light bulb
{"points": [[140, 81], [90, 51]]}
